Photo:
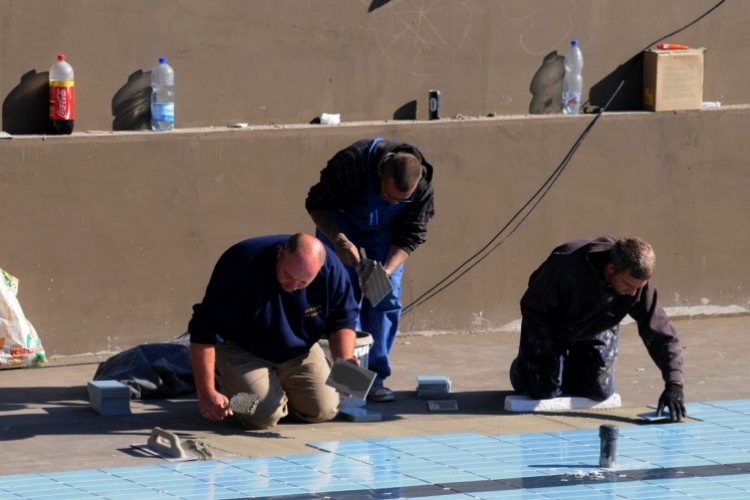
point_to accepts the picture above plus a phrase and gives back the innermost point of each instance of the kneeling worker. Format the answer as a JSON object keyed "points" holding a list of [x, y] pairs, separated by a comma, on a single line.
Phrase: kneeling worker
{"points": [[268, 302], [571, 313]]}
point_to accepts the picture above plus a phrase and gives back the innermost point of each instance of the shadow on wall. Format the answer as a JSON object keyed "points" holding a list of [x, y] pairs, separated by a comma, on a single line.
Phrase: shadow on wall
{"points": [[630, 97], [26, 108], [546, 86], [406, 112], [131, 105], [376, 4]]}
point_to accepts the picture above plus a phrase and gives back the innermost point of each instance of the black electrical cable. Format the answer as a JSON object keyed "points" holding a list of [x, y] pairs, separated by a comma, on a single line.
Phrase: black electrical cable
{"points": [[541, 192]]}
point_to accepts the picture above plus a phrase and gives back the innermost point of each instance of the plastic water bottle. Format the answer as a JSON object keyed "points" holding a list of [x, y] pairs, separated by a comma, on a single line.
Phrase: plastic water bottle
{"points": [[162, 96], [573, 82], [62, 97]]}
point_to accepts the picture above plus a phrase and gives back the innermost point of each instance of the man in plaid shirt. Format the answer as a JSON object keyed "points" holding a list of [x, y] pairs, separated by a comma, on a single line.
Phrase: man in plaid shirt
{"points": [[377, 195]]}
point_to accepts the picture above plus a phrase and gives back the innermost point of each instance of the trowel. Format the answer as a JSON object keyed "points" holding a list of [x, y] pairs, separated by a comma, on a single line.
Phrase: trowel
{"points": [[166, 445], [373, 280], [244, 404]]}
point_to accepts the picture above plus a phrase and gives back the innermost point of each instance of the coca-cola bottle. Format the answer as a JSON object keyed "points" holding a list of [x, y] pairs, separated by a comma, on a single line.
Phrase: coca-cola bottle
{"points": [[62, 100]]}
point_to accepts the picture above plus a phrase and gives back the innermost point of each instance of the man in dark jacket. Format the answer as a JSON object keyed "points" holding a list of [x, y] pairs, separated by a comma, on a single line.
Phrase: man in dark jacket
{"points": [[268, 303], [377, 195], [571, 313]]}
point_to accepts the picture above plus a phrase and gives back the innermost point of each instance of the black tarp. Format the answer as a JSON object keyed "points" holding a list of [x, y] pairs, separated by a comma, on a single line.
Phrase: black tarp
{"points": [[151, 370]]}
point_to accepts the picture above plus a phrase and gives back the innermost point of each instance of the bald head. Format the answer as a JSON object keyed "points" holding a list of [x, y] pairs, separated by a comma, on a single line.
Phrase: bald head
{"points": [[299, 261]]}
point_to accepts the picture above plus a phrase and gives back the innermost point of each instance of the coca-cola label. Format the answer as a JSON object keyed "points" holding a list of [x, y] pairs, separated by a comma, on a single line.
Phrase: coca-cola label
{"points": [[62, 100]]}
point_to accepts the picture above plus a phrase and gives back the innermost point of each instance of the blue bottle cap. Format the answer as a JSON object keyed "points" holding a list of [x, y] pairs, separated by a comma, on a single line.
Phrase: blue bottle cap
{"points": [[163, 60], [574, 43]]}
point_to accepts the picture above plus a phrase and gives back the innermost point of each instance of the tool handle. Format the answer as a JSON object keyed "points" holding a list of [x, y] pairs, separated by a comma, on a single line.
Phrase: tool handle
{"points": [[155, 442], [672, 46]]}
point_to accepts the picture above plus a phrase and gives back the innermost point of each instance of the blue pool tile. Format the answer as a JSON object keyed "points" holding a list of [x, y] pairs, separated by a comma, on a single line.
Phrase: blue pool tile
{"points": [[67, 495], [740, 481], [458, 496], [154, 495], [586, 494], [510, 495], [392, 483], [282, 489], [231, 495], [73, 475], [451, 477]]}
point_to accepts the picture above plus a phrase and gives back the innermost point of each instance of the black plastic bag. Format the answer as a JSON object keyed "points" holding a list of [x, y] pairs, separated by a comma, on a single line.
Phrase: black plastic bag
{"points": [[151, 371]]}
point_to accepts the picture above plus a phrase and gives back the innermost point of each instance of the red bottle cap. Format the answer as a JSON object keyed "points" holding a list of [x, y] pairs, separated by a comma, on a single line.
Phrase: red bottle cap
{"points": [[61, 57]]}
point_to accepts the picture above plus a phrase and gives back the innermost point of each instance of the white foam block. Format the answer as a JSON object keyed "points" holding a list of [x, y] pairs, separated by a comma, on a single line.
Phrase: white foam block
{"points": [[526, 404]]}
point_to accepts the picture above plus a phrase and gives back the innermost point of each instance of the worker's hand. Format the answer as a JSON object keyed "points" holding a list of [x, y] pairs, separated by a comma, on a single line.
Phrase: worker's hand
{"points": [[214, 406], [353, 361], [347, 252], [672, 398]]}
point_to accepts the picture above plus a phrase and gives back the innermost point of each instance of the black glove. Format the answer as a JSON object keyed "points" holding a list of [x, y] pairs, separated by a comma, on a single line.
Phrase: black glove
{"points": [[674, 400]]}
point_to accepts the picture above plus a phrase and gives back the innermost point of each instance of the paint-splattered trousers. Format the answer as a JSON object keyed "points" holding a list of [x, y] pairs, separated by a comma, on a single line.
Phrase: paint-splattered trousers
{"points": [[582, 368]]}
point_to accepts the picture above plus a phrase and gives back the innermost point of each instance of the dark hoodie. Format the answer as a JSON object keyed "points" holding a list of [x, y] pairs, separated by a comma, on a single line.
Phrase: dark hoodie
{"points": [[568, 299], [344, 180]]}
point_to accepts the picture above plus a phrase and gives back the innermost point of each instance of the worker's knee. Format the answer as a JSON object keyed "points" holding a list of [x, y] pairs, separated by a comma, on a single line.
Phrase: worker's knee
{"points": [[266, 416], [544, 392], [517, 376], [525, 380], [597, 386], [322, 409], [323, 415], [598, 392]]}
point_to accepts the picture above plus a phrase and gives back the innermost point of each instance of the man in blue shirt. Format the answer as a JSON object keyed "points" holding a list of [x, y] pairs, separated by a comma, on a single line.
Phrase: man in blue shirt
{"points": [[269, 301]]}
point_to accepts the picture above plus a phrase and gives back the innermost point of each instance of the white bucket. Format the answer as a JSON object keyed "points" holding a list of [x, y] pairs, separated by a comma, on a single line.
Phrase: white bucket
{"points": [[361, 348]]}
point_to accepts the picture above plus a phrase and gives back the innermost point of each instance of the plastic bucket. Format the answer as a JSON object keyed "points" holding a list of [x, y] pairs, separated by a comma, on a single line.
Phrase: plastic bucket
{"points": [[361, 348]]}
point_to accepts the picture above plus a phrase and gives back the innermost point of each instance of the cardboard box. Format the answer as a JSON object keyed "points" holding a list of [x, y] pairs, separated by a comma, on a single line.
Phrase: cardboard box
{"points": [[672, 79]]}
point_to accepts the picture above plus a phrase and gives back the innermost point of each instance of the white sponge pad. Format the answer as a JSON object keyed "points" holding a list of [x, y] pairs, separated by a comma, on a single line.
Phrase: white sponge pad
{"points": [[526, 404]]}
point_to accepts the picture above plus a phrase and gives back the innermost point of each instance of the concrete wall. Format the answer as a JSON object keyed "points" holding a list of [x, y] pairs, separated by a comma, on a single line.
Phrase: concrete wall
{"points": [[114, 236], [287, 61]]}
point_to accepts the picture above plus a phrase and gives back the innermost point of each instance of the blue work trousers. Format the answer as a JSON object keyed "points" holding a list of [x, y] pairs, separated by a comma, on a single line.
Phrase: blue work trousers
{"points": [[382, 320]]}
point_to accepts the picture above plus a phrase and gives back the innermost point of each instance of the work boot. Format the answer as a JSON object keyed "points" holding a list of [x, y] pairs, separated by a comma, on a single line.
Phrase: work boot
{"points": [[380, 394]]}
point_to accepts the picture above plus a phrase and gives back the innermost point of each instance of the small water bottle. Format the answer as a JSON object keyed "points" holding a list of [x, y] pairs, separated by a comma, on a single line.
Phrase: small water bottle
{"points": [[573, 82], [162, 97]]}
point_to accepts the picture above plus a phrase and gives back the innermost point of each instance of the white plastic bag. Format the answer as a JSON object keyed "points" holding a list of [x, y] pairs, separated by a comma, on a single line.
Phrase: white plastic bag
{"points": [[19, 344]]}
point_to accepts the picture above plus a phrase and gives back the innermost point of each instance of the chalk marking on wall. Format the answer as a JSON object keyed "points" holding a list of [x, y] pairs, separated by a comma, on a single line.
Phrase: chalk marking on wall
{"points": [[532, 24], [418, 21]]}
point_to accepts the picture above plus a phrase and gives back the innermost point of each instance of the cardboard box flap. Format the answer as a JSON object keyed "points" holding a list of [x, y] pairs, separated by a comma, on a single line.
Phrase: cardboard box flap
{"points": [[698, 50]]}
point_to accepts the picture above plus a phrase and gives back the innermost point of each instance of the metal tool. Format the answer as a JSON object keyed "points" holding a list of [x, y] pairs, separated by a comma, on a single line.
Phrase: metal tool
{"points": [[373, 280], [244, 404], [351, 379]]}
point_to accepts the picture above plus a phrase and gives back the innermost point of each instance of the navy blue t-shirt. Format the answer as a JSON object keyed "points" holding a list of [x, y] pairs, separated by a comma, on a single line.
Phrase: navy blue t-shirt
{"points": [[245, 304]]}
